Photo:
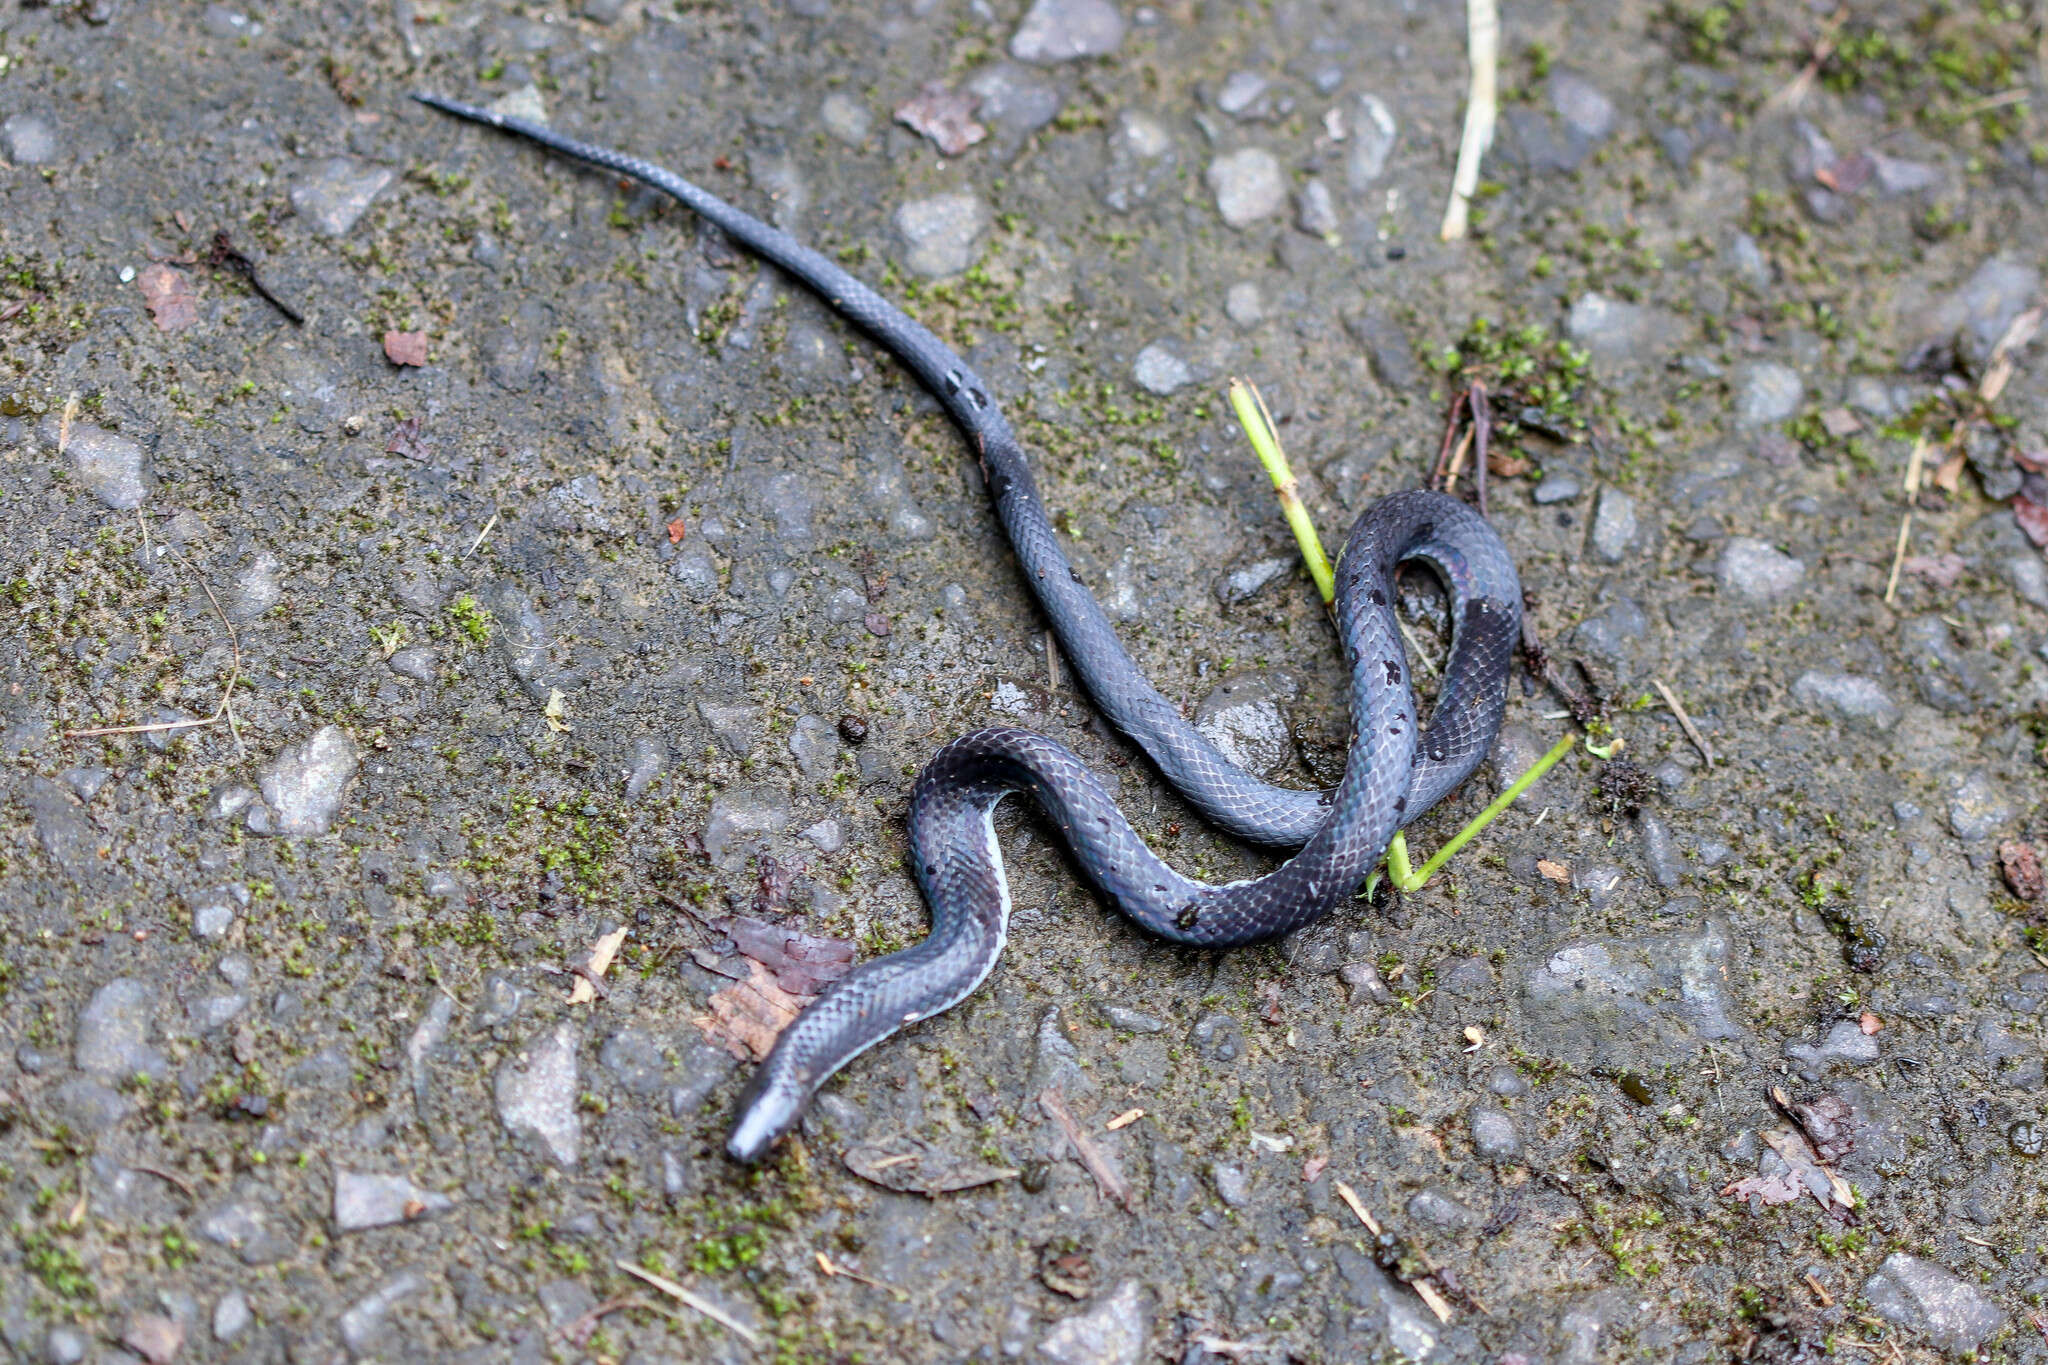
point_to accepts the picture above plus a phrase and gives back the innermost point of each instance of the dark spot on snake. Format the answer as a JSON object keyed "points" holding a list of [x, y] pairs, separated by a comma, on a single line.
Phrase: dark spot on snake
{"points": [[952, 381], [1377, 598], [980, 398], [1393, 729], [1188, 917], [1076, 577], [1400, 805], [1438, 749], [1393, 672], [1326, 798]]}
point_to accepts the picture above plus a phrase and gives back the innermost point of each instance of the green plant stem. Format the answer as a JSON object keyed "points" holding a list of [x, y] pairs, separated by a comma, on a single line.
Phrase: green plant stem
{"points": [[1258, 426]]}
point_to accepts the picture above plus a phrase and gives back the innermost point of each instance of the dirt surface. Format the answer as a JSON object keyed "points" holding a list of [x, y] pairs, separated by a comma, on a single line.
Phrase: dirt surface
{"points": [[515, 598]]}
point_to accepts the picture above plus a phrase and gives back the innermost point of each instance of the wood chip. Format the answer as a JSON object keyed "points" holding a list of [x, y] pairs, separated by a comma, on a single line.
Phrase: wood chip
{"points": [[1124, 1120], [1350, 1197], [1312, 1169], [2022, 868], [1820, 1292], [1437, 1305], [945, 116], [1557, 872], [597, 964], [1951, 472], [696, 1301], [675, 531], [1999, 369], [1869, 1022], [1100, 1164], [405, 348], [747, 1016]]}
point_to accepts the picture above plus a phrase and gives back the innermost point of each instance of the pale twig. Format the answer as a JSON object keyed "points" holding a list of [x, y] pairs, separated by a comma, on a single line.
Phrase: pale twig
{"points": [[1108, 1178], [691, 1300], [1052, 663], [1793, 93], [1482, 44], [1692, 732], [1916, 464], [480, 536], [1416, 653]]}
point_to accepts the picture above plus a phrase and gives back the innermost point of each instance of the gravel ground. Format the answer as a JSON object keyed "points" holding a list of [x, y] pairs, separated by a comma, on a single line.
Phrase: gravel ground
{"points": [[543, 561]]}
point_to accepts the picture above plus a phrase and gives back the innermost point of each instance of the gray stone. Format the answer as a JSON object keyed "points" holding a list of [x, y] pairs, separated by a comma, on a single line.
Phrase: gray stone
{"points": [[1493, 1133], [845, 118], [1846, 1044], [231, 1316], [1314, 211], [1924, 1297], [207, 1013], [364, 1321], [1586, 112], [1603, 883], [245, 1228], [1751, 266], [1248, 186], [112, 1037], [1111, 1333], [1243, 304], [1159, 370], [1239, 91], [112, 467], [736, 728], [1243, 718], [1057, 1063], [29, 140], [373, 1201], [1386, 347], [826, 836], [64, 1346], [635, 1058], [1233, 1186], [1634, 1003], [648, 759], [304, 785], [414, 661], [1660, 850], [1755, 570], [1126, 1020], [1766, 392], [939, 233], [521, 638], [337, 191], [1846, 697], [1895, 175], [1614, 525], [1556, 486], [814, 743], [1372, 134], [536, 1094], [1977, 808], [738, 815], [255, 588], [1244, 583], [1015, 100], [1976, 315], [213, 912], [1065, 30], [1431, 1206], [1614, 331], [2029, 577], [1142, 161]]}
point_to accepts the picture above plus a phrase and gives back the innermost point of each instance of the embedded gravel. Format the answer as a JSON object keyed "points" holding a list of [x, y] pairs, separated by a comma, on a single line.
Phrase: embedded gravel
{"points": [[640, 602]]}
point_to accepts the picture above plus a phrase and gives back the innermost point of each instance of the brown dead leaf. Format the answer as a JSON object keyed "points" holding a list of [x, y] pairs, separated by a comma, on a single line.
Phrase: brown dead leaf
{"points": [[802, 963], [1827, 1122], [1557, 872], [1312, 1169], [1782, 1188], [911, 1167], [2022, 868], [1942, 570], [1066, 1272], [168, 296], [675, 531], [2033, 519], [945, 116], [1507, 466], [1820, 1182], [748, 1016], [405, 348], [1869, 1023], [1998, 372], [1848, 174], [405, 440]]}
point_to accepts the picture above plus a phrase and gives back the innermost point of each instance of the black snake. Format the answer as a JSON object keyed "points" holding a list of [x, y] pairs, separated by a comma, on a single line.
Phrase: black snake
{"points": [[1396, 768]]}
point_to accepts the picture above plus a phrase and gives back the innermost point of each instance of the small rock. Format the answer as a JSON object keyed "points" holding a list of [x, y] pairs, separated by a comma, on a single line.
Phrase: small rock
{"points": [[1016, 101], [826, 836], [1977, 808], [1846, 1044], [1433, 1207], [112, 467], [336, 192], [1587, 113], [374, 1201], [1756, 570], [1248, 186], [1158, 370], [738, 814], [539, 1097], [29, 140], [1613, 330], [845, 118], [1660, 851], [1242, 584], [649, 758], [213, 912], [940, 233], [736, 728], [1614, 525], [304, 785], [231, 1316], [1386, 347], [1243, 304], [1555, 487], [1314, 211], [1895, 176], [1111, 1333], [1239, 91], [415, 662], [1243, 719], [1921, 1296], [1064, 30], [1126, 1020], [1766, 392], [499, 1000], [1493, 1133], [64, 1346], [1634, 1003], [814, 743], [364, 1320], [112, 1034], [1372, 135], [255, 588], [1859, 701], [1233, 1186]]}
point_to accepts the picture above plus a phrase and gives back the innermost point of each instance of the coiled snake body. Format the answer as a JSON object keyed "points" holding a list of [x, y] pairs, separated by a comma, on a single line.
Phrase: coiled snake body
{"points": [[1395, 770]]}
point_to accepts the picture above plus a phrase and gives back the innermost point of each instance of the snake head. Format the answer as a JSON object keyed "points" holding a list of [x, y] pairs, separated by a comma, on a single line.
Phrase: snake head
{"points": [[768, 1111]]}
